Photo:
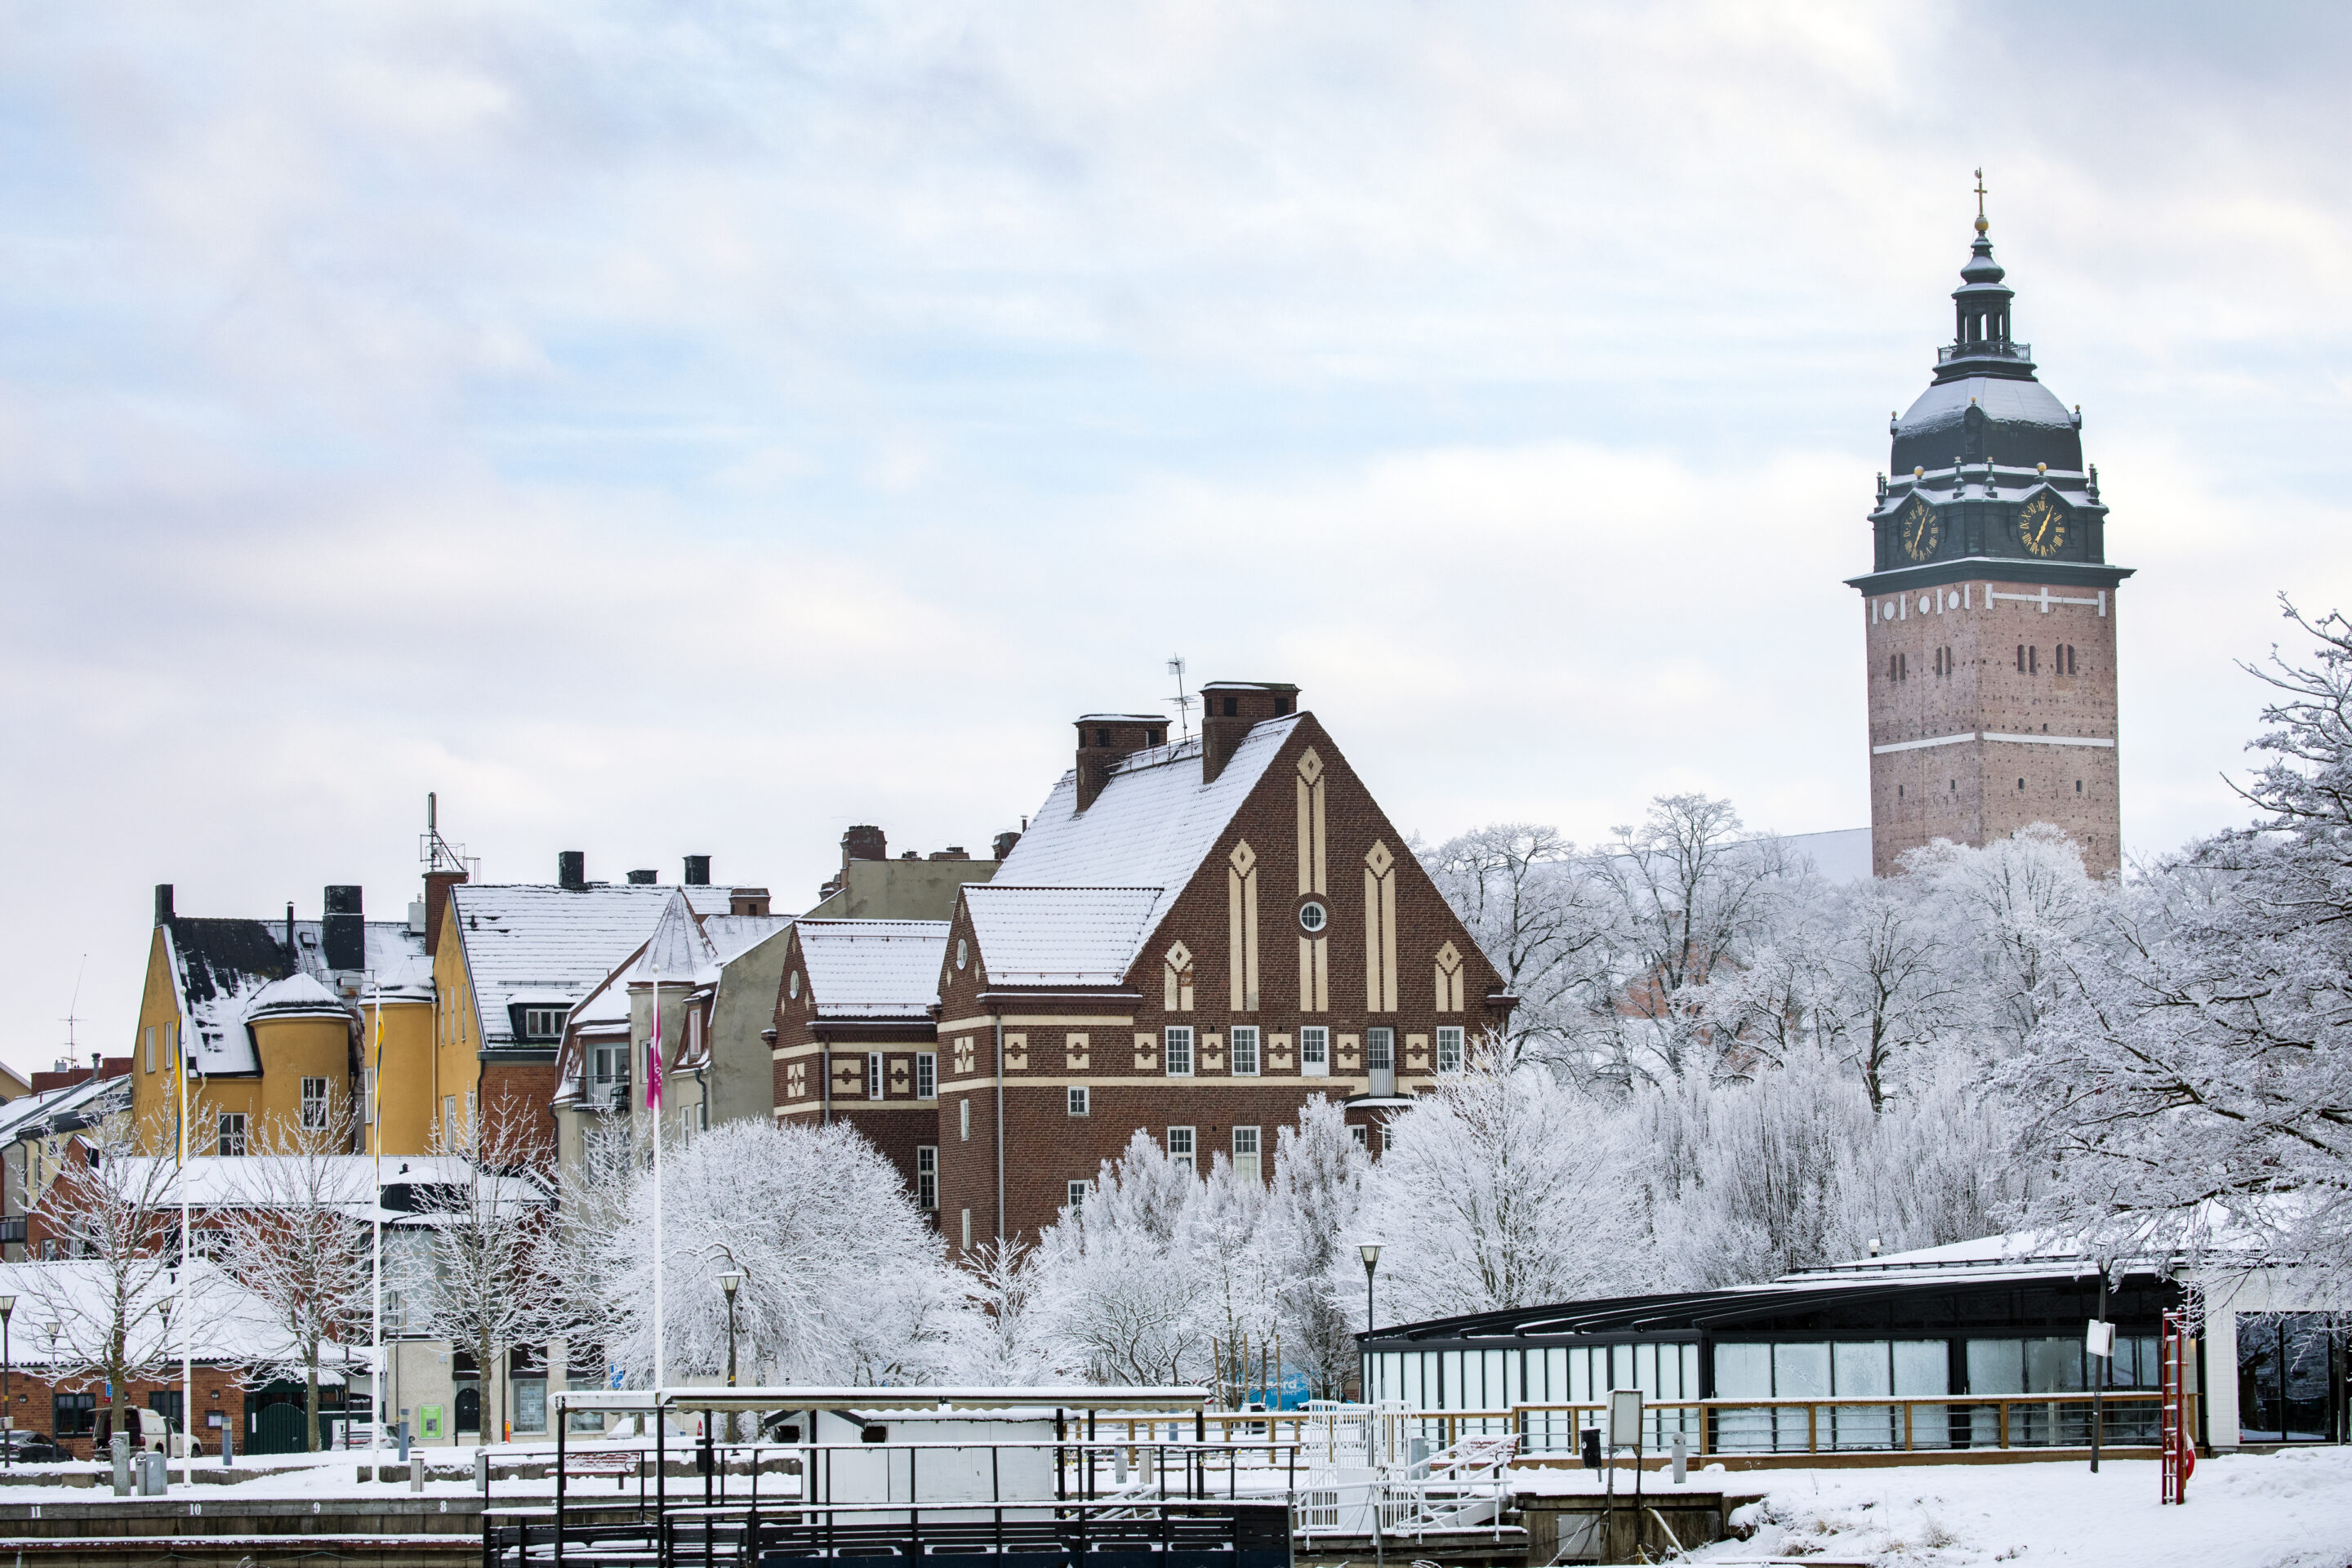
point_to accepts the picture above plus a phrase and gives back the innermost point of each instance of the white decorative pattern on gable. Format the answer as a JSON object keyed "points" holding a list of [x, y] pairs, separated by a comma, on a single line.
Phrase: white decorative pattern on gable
{"points": [[1380, 931], [1314, 952], [1240, 905], [1176, 980], [1449, 979]]}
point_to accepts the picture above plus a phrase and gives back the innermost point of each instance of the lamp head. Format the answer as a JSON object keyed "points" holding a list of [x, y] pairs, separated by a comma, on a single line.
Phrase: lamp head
{"points": [[730, 1280], [1372, 1251], [7, 1305]]}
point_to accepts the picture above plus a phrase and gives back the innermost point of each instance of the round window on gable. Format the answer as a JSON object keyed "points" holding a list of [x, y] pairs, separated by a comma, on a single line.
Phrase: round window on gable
{"points": [[1313, 917], [963, 952]]}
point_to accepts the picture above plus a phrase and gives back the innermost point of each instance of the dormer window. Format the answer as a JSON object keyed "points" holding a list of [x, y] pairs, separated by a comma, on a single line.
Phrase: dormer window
{"points": [[543, 1023]]}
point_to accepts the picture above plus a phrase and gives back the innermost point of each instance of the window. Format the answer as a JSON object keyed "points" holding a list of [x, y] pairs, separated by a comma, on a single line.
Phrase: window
{"points": [[1245, 1050], [967, 1230], [963, 1116], [1078, 1099], [232, 1133], [874, 1075], [1179, 1051], [367, 1095], [1315, 1051], [1313, 917], [1388, 1137], [609, 1065], [1246, 1153], [76, 1414], [530, 1403], [1077, 1192], [1357, 1133], [927, 1075], [171, 1033], [1232, 707], [793, 985], [150, 1047], [543, 1023], [963, 952], [2020, 658], [2078, 786], [1180, 1146], [1449, 1049], [927, 1177], [1380, 1049], [314, 1105], [2033, 661]]}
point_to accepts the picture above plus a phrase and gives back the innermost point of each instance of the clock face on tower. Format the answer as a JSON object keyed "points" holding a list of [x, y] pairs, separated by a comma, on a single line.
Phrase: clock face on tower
{"points": [[2042, 526], [1918, 528]]}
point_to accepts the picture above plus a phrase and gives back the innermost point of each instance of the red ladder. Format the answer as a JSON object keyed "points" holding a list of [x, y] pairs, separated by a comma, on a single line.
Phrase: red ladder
{"points": [[2179, 1441]]}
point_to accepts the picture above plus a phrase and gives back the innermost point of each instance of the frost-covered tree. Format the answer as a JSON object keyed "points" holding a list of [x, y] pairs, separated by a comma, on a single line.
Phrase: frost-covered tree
{"points": [[1542, 916], [489, 1279], [1117, 1289], [844, 1281], [1313, 1218], [2196, 1074], [1007, 1346], [1504, 1187]]}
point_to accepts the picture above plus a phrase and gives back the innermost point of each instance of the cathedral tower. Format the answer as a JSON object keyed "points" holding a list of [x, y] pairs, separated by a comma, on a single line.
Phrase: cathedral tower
{"points": [[1991, 608]]}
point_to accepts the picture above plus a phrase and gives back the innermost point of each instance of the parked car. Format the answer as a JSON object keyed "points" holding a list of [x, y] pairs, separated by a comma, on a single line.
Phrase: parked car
{"points": [[23, 1448], [150, 1434]]}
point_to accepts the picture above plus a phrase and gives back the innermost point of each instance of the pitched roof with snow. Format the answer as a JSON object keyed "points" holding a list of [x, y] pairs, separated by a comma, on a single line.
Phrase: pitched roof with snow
{"points": [[221, 967], [1082, 890], [551, 946], [873, 969], [63, 1109]]}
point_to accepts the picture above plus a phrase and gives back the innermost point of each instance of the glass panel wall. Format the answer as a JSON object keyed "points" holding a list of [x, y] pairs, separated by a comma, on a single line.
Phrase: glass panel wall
{"points": [[2287, 1391]]}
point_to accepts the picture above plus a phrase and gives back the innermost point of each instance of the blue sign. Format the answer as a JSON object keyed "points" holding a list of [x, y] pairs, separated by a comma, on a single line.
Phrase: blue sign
{"points": [[614, 1376]]}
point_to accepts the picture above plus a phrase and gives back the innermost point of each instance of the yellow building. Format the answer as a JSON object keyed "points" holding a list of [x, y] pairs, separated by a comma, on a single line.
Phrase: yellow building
{"points": [[279, 1020]]}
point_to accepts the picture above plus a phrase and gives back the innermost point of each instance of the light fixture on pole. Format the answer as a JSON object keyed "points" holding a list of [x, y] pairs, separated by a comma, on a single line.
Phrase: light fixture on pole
{"points": [[728, 1283], [7, 1390], [1372, 1251]]}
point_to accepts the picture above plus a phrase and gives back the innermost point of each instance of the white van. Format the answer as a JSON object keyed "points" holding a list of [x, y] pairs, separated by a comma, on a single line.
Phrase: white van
{"points": [[150, 1434]]}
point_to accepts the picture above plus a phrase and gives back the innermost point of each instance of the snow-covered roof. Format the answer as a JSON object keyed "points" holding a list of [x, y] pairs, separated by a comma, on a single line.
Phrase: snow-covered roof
{"points": [[1842, 856], [233, 1326], [40, 1114], [873, 969], [1060, 936], [220, 967], [554, 944], [347, 1181], [1067, 906]]}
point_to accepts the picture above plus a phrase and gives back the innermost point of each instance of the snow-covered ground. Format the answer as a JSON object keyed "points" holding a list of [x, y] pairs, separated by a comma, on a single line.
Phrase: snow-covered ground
{"points": [[2287, 1510]]}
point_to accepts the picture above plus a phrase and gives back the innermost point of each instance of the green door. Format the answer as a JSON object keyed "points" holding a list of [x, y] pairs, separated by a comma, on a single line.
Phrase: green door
{"points": [[277, 1429]]}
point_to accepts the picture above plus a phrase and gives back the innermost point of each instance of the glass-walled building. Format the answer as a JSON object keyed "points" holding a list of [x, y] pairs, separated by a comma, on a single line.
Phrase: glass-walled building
{"points": [[1958, 1342]]}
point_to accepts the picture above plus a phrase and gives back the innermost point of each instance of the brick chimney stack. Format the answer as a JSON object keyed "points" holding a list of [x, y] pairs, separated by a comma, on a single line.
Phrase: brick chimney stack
{"points": [[436, 904], [572, 870], [1106, 739], [864, 842], [1228, 710]]}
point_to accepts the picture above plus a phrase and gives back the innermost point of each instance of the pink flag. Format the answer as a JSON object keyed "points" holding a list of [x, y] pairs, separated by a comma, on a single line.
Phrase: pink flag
{"points": [[654, 1057]]}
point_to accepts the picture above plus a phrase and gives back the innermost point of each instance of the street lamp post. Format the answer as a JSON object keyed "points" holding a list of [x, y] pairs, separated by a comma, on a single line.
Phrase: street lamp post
{"points": [[7, 1388], [1372, 1251], [729, 1283]]}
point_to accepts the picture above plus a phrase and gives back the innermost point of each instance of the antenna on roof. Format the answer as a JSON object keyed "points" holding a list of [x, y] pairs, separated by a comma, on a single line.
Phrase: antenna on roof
{"points": [[71, 1019], [1183, 703], [438, 853]]}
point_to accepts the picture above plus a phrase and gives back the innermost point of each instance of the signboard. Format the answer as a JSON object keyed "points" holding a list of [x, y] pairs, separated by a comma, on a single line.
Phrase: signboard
{"points": [[429, 1422], [1625, 1418], [2100, 1338]]}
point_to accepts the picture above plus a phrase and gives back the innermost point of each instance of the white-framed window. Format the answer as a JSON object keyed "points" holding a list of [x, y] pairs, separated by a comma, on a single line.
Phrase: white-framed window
{"points": [[150, 1047], [1388, 1137], [449, 1120], [694, 1029], [543, 1023], [963, 1118], [171, 1034], [874, 1075], [1078, 1194], [967, 1230], [1181, 1147], [1380, 1049], [1449, 1048], [927, 1075], [1245, 1162], [232, 1133], [1179, 1050], [314, 1105], [1357, 1133], [1315, 1051], [927, 1176], [1245, 1050], [1081, 1101], [367, 1096], [1313, 917]]}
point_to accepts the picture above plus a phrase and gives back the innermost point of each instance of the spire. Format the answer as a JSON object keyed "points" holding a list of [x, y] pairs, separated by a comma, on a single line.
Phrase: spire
{"points": [[1980, 327], [1981, 225]]}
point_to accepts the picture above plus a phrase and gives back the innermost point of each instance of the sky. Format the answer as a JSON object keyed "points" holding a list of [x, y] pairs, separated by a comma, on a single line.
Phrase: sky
{"points": [[697, 427]]}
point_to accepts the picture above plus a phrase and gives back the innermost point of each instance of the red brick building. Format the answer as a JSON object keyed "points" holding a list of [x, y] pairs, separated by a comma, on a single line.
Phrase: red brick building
{"points": [[1191, 938]]}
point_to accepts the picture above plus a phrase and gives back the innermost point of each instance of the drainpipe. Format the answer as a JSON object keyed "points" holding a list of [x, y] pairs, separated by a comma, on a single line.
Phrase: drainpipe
{"points": [[999, 1130], [824, 1060]]}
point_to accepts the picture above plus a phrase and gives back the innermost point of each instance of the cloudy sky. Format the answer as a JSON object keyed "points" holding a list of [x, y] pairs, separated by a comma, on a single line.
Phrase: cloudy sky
{"points": [[697, 427]]}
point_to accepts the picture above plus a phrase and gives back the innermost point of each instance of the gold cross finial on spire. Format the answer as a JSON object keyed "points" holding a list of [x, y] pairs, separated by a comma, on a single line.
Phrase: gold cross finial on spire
{"points": [[1981, 225]]}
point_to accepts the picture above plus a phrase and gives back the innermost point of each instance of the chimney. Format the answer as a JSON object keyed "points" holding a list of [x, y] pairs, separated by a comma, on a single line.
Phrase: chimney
{"points": [[953, 852], [1228, 710], [646, 878], [163, 902], [747, 900], [436, 904], [1003, 844], [864, 842], [698, 871], [572, 870], [344, 933], [1106, 739]]}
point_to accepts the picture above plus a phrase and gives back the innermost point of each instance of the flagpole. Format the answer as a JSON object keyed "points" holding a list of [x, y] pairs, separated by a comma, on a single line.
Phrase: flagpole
{"points": [[375, 1139], [652, 1103], [187, 1319]]}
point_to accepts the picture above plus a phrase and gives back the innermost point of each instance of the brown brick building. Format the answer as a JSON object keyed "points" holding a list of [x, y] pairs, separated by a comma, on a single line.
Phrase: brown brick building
{"points": [[1990, 613]]}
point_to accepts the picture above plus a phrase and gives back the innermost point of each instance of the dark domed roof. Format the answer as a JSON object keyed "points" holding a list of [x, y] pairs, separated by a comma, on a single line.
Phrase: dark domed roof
{"points": [[1986, 419]]}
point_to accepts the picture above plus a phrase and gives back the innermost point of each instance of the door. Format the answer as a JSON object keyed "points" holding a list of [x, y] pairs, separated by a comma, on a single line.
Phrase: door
{"points": [[1379, 1063]]}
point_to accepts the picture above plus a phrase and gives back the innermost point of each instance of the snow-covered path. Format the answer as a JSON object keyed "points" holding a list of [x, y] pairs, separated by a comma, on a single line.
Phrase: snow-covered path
{"points": [[2287, 1510]]}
